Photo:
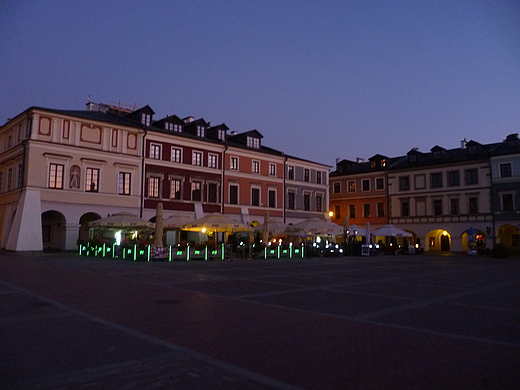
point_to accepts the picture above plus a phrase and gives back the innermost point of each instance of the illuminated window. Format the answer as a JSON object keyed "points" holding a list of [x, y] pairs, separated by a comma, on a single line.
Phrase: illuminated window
{"points": [[175, 189], [212, 161], [155, 151], [56, 176], [124, 182], [92, 180], [197, 158], [176, 155], [234, 164], [351, 186], [153, 187]]}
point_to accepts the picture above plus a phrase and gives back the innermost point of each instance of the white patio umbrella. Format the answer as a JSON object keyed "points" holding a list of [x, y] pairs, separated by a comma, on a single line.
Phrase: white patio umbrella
{"points": [[122, 220], [355, 230], [391, 231], [215, 223], [318, 226], [275, 227], [176, 222]]}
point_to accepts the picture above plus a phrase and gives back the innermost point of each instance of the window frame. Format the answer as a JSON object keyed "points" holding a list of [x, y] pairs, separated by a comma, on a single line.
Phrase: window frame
{"points": [[155, 151], [92, 178], [53, 176], [124, 183], [212, 160], [197, 158], [176, 155]]}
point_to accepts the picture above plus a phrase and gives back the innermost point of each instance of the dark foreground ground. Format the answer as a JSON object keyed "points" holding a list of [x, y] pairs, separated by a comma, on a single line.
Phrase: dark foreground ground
{"points": [[409, 322]]}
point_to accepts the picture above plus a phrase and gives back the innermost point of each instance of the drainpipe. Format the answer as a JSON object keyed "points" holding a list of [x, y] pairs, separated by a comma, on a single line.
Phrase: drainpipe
{"points": [[222, 189], [284, 189], [492, 201], [143, 173]]}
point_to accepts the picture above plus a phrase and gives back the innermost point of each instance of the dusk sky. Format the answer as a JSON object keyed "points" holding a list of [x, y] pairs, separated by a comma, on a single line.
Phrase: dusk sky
{"points": [[319, 79]]}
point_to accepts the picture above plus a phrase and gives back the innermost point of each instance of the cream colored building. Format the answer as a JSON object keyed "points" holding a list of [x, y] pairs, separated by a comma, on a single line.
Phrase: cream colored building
{"points": [[60, 170]]}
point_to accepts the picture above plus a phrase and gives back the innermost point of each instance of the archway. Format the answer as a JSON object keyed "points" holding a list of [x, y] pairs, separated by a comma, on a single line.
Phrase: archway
{"points": [[438, 240], [480, 239], [509, 236], [83, 228], [53, 230]]}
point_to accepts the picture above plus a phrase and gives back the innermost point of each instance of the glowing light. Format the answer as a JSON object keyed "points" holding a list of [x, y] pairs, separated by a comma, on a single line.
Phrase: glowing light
{"points": [[117, 236], [445, 233], [331, 214], [203, 230]]}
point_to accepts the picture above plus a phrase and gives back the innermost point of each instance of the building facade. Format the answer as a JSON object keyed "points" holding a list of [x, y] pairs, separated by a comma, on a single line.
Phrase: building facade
{"points": [[438, 196], [61, 169]]}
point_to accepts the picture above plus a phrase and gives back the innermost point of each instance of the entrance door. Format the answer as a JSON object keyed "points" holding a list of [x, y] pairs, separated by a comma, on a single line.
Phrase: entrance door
{"points": [[445, 243]]}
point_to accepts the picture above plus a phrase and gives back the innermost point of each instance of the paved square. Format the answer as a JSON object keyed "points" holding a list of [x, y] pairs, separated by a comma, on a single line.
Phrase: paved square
{"points": [[374, 323]]}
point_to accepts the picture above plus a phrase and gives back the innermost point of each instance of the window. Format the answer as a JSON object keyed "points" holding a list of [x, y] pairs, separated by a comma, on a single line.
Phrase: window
{"points": [[436, 180], [177, 155], [290, 172], [255, 196], [365, 185], [336, 187], [505, 170], [454, 206], [473, 205], [472, 176], [351, 186], [213, 192], [212, 161], [124, 182], [233, 194], [173, 127], [272, 198], [196, 158], [437, 207], [253, 142], [380, 183], [168, 126], [306, 175], [290, 201], [221, 135], [508, 202], [234, 163], [201, 131], [56, 176], [256, 166], [175, 189], [306, 202], [352, 211], [146, 119], [337, 211], [92, 180], [405, 208], [453, 178], [20, 176], [319, 203], [404, 183], [366, 210], [272, 169], [196, 191], [155, 151], [381, 209], [153, 186], [318, 177], [177, 128]]}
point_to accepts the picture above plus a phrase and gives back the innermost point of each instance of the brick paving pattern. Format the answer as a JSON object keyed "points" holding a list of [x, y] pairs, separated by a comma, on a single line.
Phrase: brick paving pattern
{"points": [[402, 322]]}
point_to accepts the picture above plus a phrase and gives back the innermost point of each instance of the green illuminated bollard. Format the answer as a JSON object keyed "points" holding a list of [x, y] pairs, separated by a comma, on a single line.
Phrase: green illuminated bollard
{"points": [[188, 252]]}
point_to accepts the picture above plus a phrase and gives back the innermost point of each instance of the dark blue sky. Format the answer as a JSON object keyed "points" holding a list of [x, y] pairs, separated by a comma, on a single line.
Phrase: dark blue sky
{"points": [[319, 79]]}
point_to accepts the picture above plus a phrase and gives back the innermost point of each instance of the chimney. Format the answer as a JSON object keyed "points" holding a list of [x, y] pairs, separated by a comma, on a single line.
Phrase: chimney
{"points": [[463, 143], [360, 160], [338, 160], [188, 119], [233, 133]]}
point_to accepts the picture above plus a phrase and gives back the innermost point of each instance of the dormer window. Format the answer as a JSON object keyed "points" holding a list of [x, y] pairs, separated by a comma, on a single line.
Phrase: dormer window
{"points": [[472, 150], [412, 158], [168, 126], [253, 142], [383, 162], [146, 119], [437, 154], [201, 131], [222, 135]]}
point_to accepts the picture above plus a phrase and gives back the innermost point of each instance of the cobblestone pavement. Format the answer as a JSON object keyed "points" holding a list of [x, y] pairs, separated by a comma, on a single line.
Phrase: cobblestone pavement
{"points": [[402, 322]]}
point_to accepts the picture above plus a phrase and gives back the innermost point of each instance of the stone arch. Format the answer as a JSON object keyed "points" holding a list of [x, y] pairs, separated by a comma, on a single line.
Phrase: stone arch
{"points": [[53, 230], [481, 240], [438, 240], [508, 235], [84, 220]]}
